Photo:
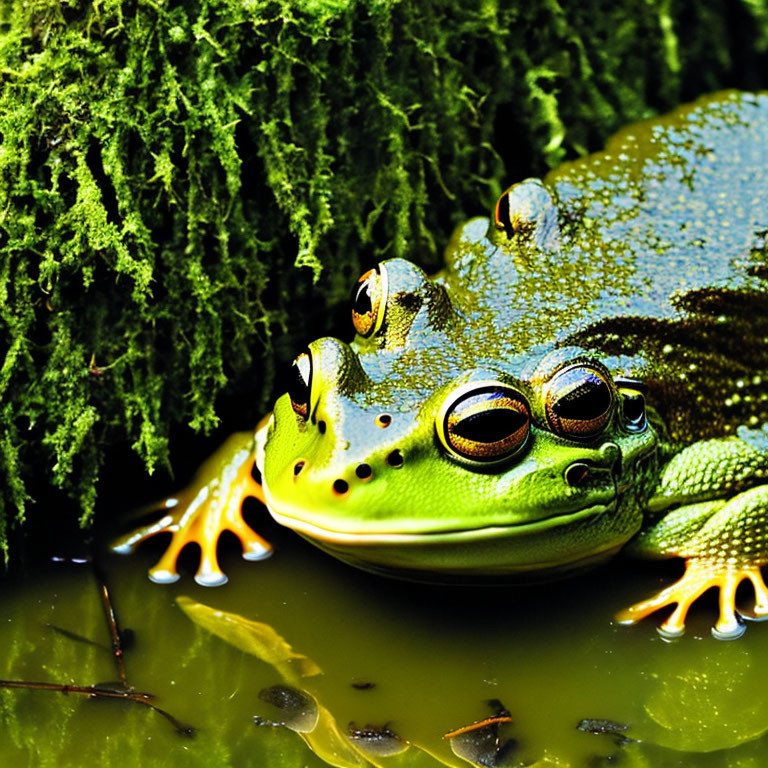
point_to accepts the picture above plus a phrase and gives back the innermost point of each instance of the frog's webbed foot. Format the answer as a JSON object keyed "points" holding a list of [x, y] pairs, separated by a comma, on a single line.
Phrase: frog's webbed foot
{"points": [[208, 506], [701, 575], [722, 540]]}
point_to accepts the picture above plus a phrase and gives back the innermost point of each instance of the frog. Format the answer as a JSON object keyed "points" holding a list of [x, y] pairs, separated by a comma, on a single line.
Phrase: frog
{"points": [[587, 374]]}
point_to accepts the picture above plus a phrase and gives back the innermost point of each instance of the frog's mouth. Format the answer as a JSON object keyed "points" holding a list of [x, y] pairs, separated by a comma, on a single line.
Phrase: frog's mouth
{"points": [[547, 548], [539, 542], [455, 536]]}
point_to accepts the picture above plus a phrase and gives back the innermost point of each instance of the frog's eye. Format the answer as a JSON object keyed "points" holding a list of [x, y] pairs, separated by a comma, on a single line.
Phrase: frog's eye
{"points": [[501, 216], [369, 299], [578, 402], [528, 208], [300, 384], [633, 410], [485, 424]]}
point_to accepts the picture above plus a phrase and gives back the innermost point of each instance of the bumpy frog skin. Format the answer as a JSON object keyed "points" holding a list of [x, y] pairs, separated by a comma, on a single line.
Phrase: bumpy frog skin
{"points": [[589, 369]]}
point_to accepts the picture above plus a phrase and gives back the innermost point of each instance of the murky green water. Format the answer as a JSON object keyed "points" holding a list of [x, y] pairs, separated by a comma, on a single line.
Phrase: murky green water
{"points": [[436, 656]]}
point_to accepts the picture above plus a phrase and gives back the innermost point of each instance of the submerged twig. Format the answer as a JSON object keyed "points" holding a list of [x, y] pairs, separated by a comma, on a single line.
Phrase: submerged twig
{"points": [[477, 725], [112, 625], [109, 614], [96, 692], [122, 689]]}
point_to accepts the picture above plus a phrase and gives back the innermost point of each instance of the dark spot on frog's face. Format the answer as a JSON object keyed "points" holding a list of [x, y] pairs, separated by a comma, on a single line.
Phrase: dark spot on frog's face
{"points": [[364, 471], [340, 487], [395, 459]]}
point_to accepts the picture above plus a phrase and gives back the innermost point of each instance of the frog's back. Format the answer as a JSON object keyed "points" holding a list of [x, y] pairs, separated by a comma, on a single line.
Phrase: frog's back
{"points": [[677, 205], [660, 263]]}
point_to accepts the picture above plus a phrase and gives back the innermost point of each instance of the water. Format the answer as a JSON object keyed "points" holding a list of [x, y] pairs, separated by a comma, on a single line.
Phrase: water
{"points": [[549, 654]]}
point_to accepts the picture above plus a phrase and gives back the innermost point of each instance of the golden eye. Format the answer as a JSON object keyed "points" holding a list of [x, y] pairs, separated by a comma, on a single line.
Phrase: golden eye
{"points": [[484, 424], [501, 215], [300, 384], [529, 209], [578, 402], [369, 299]]}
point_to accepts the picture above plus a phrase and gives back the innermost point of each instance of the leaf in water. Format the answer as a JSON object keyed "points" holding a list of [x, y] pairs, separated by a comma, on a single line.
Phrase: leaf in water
{"points": [[327, 739], [706, 698], [330, 743], [253, 637]]}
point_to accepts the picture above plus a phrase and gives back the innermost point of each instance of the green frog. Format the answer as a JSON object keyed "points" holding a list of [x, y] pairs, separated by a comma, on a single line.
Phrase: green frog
{"points": [[588, 372]]}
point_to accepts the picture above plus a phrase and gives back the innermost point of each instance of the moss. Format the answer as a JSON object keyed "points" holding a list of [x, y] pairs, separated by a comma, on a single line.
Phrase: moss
{"points": [[184, 183]]}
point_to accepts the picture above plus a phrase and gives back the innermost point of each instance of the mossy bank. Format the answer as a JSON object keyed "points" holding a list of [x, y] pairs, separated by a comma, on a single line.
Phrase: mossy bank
{"points": [[188, 189]]}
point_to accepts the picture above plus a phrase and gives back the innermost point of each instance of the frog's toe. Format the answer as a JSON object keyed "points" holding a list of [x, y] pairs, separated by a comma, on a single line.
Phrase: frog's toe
{"points": [[256, 549], [198, 515], [164, 571], [759, 611], [209, 574], [254, 546], [682, 594], [729, 629], [700, 576], [163, 576], [127, 543], [729, 625]]}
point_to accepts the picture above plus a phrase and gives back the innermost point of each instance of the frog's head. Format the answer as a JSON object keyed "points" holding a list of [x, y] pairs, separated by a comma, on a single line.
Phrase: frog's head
{"points": [[431, 449]]}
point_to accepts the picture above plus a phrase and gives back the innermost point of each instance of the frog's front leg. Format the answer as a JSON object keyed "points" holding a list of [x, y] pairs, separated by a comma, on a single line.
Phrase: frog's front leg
{"points": [[199, 514], [719, 528]]}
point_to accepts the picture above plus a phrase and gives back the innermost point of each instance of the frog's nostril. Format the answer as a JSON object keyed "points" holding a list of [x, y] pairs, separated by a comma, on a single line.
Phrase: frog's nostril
{"points": [[297, 467], [612, 456], [364, 471], [395, 459], [321, 427], [340, 487]]}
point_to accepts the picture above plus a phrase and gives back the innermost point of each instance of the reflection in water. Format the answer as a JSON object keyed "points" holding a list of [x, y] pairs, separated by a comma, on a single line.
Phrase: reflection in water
{"points": [[478, 743], [696, 706], [700, 700], [299, 707], [405, 665], [120, 690]]}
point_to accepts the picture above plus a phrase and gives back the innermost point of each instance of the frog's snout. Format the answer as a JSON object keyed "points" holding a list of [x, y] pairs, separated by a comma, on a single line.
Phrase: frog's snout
{"points": [[605, 469], [358, 474]]}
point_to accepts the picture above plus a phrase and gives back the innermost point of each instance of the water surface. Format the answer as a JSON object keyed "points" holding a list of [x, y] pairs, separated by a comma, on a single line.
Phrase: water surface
{"points": [[435, 656]]}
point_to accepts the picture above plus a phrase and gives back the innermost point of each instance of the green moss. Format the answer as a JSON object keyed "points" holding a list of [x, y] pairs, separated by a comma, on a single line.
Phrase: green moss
{"points": [[183, 183]]}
